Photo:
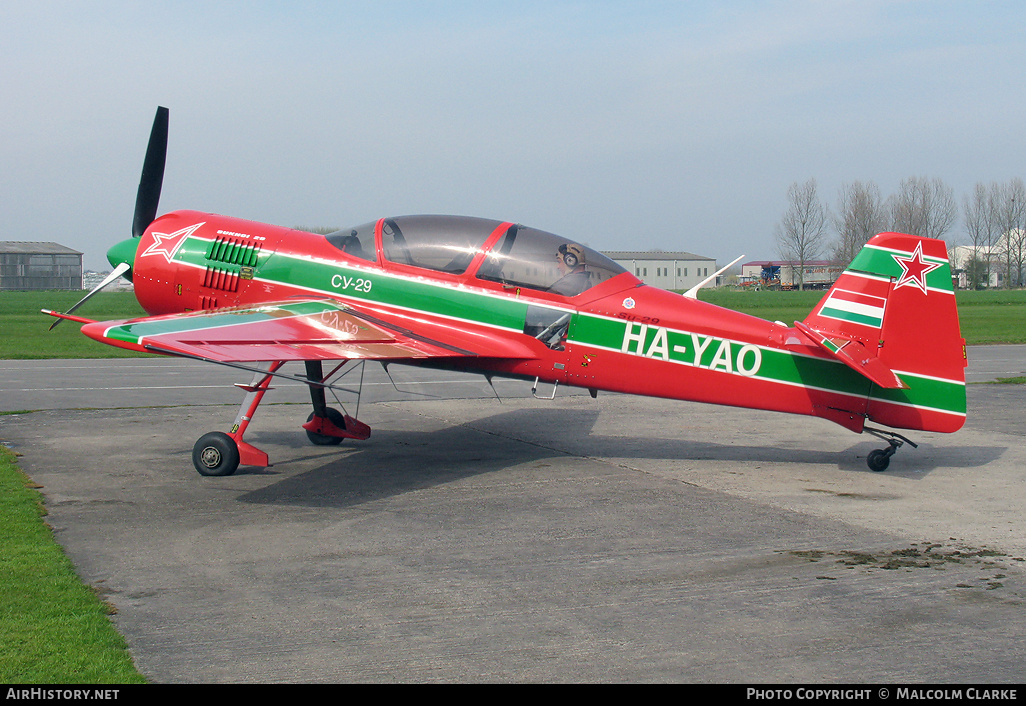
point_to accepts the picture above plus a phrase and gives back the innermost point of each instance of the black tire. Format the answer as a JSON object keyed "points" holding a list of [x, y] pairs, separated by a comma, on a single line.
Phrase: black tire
{"points": [[337, 419], [215, 454], [878, 460]]}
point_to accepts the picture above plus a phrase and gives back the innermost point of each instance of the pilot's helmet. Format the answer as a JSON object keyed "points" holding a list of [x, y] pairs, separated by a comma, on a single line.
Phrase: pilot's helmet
{"points": [[573, 255]]}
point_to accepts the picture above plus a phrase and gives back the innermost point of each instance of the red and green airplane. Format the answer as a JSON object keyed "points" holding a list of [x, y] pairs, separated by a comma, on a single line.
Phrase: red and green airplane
{"points": [[502, 299]]}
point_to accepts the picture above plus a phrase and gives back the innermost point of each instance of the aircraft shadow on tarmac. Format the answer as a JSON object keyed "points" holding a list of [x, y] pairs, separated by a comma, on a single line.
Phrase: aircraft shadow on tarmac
{"points": [[394, 462]]}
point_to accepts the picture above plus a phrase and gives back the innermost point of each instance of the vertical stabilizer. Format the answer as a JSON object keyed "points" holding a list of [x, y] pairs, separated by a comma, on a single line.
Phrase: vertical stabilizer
{"points": [[892, 316]]}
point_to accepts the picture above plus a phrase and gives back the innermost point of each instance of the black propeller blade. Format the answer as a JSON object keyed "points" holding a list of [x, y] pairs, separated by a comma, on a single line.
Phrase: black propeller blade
{"points": [[152, 179], [146, 202]]}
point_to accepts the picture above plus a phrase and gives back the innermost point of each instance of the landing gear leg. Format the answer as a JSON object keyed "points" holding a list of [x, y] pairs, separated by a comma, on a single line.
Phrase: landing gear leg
{"points": [[220, 454], [325, 416], [879, 459]]}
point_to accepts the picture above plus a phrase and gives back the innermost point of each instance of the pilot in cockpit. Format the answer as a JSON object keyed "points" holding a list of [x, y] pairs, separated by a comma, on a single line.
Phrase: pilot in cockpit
{"points": [[574, 277]]}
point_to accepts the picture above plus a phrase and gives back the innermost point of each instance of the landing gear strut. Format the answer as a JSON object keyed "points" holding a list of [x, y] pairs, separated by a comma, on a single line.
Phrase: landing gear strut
{"points": [[879, 459], [220, 454]]}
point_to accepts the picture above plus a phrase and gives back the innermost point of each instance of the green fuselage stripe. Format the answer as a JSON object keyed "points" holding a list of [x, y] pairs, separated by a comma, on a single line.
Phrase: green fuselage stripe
{"points": [[777, 365], [375, 286]]}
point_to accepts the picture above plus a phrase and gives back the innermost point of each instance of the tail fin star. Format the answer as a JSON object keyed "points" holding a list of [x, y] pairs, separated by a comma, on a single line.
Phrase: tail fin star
{"points": [[914, 269]]}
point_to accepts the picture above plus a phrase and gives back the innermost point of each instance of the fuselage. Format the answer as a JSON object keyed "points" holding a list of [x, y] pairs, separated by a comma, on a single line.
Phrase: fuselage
{"points": [[618, 335]]}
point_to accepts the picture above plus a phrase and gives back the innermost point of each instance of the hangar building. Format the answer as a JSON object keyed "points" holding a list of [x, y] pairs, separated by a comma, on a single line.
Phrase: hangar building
{"points": [[666, 270], [39, 266]]}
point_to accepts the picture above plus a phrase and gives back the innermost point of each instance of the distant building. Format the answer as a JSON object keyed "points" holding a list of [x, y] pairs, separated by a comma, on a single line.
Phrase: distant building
{"points": [[818, 274], [666, 270], [39, 266], [90, 280], [989, 261]]}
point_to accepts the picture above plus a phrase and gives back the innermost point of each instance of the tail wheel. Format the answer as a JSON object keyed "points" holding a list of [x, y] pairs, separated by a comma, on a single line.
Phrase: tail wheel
{"points": [[215, 454], [336, 418], [878, 460]]}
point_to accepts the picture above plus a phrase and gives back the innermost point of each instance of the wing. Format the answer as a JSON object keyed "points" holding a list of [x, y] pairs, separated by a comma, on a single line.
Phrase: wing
{"points": [[303, 330]]}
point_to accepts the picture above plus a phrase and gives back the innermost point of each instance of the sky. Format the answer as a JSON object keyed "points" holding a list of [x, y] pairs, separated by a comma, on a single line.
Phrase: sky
{"points": [[624, 125]]}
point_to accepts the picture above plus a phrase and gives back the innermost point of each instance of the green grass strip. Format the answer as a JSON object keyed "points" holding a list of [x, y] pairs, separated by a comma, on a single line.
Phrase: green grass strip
{"points": [[995, 316], [992, 316], [26, 333], [53, 628]]}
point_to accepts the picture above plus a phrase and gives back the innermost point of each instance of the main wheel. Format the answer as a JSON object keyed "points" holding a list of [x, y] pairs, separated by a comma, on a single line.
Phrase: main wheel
{"points": [[878, 460], [215, 454], [336, 418]]}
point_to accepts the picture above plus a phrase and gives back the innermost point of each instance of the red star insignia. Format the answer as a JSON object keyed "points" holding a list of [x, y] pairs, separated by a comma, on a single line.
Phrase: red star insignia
{"points": [[914, 269], [167, 244]]}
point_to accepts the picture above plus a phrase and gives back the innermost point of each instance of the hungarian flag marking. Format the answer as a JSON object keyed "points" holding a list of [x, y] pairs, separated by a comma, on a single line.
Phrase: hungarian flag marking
{"points": [[854, 307]]}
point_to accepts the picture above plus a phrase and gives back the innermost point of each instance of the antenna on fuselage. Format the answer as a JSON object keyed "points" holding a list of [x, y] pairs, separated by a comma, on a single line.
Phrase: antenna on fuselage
{"points": [[693, 292]]}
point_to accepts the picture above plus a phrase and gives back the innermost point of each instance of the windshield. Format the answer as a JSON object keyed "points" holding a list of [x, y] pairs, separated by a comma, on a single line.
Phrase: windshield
{"points": [[358, 241], [441, 243], [526, 257]]}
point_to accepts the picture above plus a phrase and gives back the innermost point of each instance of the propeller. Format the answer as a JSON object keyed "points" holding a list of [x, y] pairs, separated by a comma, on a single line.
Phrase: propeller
{"points": [[152, 178], [121, 269], [122, 255]]}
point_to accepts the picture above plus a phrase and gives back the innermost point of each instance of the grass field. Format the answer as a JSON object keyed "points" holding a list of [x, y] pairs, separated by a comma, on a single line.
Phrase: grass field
{"points": [[986, 317], [53, 629], [25, 329], [993, 316]]}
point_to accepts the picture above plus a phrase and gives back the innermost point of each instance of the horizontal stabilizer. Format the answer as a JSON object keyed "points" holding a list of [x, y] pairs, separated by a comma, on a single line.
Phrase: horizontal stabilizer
{"points": [[855, 355], [61, 316]]}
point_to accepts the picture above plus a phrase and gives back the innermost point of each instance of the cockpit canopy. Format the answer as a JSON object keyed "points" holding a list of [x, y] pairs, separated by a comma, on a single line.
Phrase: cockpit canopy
{"points": [[521, 257]]}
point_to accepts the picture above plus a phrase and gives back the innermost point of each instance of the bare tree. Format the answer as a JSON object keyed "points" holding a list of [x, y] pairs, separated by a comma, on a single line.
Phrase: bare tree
{"points": [[924, 207], [801, 232], [980, 226], [1015, 256], [1010, 214], [861, 214]]}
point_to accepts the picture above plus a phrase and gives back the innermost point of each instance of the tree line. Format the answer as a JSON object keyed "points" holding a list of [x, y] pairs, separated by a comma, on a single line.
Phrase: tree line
{"points": [[992, 219]]}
